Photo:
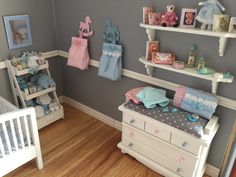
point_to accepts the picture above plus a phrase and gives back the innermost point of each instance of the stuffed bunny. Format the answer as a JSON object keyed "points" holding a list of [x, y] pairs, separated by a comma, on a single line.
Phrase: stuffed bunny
{"points": [[207, 12]]}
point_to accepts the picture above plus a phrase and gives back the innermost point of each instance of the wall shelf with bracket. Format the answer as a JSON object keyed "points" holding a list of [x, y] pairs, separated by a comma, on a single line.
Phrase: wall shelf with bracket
{"points": [[187, 71], [223, 36]]}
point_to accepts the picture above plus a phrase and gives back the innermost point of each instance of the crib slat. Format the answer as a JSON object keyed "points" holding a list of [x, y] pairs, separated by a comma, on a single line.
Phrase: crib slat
{"points": [[20, 133], [7, 137], [2, 148], [14, 134], [27, 130]]}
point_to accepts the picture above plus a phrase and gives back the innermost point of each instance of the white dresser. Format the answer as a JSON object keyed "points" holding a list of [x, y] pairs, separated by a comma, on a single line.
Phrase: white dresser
{"points": [[164, 148]]}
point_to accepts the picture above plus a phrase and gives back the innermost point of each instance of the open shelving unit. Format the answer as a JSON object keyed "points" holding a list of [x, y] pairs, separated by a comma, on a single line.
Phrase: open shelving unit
{"points": [[23, 97], [187, 71], [223, 36]]}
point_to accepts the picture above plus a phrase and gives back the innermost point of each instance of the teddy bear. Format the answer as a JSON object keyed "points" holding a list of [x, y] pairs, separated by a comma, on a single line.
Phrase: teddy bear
{"points": [[169, 18], [22, 83]]}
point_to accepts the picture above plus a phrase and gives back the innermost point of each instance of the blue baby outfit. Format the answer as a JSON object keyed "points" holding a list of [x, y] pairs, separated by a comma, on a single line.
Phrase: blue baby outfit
{"points": [[199, 102], [151, 97], [206, 13]]}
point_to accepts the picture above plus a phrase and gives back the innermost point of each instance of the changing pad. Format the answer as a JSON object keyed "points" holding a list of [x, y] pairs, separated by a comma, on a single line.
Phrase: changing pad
{"points": [[178, 120]]}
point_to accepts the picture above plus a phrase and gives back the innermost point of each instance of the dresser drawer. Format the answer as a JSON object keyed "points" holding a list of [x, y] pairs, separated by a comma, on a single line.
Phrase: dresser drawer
{"points": [[187, 142], [156, 129], [170, 151], [134, 121], [157, 157]]}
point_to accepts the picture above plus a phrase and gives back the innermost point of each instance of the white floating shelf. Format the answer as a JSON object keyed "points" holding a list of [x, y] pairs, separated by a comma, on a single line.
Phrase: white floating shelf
{"points": [[37, 94], [26, 71], [224, 36], [187, 71]]}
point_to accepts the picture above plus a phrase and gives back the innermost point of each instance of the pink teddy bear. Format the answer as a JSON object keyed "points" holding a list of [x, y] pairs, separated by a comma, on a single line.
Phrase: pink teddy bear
{"points": [[169, 18]]}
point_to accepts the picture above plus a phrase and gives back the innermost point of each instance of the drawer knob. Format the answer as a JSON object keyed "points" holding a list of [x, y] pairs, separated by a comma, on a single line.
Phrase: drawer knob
{"points": [[130, 145], [178, 170], [131, 135], [181, 159], [132, 121], [184, 144]]}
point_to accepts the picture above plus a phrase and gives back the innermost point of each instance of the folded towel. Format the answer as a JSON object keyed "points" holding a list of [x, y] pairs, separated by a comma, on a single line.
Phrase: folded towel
{"points": [[151, 97], [131, 94]]}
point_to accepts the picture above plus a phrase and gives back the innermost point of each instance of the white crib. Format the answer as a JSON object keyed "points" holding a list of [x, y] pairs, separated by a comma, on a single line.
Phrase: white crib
{"points": [[19, 139]]}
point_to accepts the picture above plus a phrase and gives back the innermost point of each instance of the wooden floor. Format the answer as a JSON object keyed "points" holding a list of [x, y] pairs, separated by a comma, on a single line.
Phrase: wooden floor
{"points": [[81, 146]]}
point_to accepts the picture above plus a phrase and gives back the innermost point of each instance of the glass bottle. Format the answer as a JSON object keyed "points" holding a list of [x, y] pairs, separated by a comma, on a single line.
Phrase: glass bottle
{"points": [[192, 56], [201, 63]]}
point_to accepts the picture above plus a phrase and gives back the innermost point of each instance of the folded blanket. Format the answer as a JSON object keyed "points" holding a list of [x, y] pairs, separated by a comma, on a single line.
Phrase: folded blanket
{"points": [[151, 97], [199, 102], [131, 94]]}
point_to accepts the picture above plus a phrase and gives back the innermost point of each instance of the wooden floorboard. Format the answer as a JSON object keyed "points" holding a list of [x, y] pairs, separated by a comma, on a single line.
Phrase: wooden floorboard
{"points": [[82, 146]]}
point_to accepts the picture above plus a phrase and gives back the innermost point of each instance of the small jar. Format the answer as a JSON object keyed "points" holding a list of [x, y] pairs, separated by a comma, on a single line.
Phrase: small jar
{"points": [[201, 63], [192, 56]]}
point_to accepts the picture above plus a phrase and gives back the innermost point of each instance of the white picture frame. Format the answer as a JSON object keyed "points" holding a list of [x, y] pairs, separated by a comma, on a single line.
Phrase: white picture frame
{"points": [[232, 25], [188, 18], [18, 31]]}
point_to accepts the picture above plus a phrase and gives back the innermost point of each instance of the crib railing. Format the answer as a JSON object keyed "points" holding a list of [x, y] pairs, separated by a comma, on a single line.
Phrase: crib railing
{"points": [[16, 130]]}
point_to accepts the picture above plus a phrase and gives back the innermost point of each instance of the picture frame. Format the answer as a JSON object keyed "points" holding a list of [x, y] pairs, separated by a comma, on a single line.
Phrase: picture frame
{"points": [[188, 18], [232, 25], [221, 23], [18, 31], [152, 48]]}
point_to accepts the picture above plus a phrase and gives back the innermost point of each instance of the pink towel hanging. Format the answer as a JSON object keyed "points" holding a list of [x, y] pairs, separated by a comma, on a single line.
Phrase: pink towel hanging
{"points": [[78, 52]]}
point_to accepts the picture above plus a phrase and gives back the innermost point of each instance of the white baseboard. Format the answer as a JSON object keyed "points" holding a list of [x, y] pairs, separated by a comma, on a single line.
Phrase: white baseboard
{"points": [[210, 169], [102, 117]]}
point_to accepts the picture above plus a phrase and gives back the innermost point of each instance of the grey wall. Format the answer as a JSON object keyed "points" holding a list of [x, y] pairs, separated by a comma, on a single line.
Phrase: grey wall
{"points": [[43, 35], [104, 95]]}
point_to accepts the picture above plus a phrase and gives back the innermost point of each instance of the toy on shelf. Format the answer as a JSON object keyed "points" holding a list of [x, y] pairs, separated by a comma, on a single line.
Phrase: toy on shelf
{"points": [[169, 18], [207, 12], [206, 70]]}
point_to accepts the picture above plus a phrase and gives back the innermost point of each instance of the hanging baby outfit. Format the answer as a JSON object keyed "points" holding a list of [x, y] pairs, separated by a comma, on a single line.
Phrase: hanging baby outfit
{"points": [[78, 52], [110, 65]]}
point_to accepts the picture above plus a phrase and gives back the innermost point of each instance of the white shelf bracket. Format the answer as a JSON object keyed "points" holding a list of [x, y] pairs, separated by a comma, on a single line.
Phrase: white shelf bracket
{"points": [[214, 85], [149, 70], [222, 46], [151, 34]]}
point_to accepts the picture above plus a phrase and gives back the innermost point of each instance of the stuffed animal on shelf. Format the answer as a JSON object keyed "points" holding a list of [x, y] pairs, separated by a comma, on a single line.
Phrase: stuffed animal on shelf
{"points": [[207, 12], [169, 18], [22, 83], [43, 80]]}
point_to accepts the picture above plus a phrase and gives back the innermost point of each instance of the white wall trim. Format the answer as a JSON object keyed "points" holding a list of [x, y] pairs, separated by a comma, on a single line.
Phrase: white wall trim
{"points": [[92, 112], [223, 101], [210, 169]]}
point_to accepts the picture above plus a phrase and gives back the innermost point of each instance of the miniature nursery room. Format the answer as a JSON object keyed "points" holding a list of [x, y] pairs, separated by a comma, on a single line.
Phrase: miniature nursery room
{"points": [[118, 88]]}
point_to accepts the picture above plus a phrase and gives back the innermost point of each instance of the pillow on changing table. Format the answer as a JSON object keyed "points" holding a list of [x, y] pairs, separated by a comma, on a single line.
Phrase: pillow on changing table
{"points": [[195, 101]]}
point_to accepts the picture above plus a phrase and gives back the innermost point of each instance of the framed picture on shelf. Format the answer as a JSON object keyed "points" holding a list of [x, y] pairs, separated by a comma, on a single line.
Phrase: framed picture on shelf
{"points": [[151, 49], [188, 18], [232, 25], [18, 31], [221, 23]]}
